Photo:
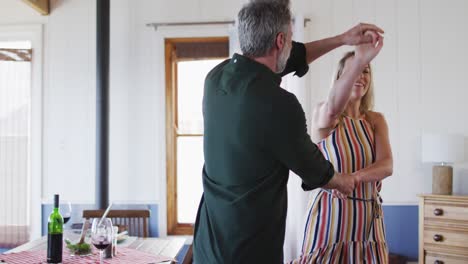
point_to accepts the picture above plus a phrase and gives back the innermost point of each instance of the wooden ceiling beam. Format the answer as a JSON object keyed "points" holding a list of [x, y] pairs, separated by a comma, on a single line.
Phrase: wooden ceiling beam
{"points": [[41, 6]]}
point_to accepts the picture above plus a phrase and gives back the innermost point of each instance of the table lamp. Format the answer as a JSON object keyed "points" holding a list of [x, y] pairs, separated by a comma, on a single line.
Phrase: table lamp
{"points": [[442, 150]]}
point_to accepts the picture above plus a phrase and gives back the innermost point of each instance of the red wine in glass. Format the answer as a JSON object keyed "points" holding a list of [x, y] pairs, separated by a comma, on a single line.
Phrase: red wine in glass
{"points": [[65, 211], [101, 235], [101, 245]]}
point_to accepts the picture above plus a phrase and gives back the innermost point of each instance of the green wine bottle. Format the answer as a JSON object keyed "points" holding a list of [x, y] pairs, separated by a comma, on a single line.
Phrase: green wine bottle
{"points": [[55, 234]]}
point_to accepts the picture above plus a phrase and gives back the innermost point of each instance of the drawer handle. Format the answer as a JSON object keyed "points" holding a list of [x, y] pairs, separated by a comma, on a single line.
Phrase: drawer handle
{"points": [[438, 212], [438, 262], [438, 238]]}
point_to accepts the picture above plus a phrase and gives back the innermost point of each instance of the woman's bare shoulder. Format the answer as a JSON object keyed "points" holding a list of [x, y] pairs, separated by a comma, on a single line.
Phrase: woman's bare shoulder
{"points": [[375, 118]]}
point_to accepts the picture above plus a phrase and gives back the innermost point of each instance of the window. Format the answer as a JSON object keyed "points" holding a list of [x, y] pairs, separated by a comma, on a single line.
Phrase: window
{"points": [[15, 138], [187, 63], [21, 89]]}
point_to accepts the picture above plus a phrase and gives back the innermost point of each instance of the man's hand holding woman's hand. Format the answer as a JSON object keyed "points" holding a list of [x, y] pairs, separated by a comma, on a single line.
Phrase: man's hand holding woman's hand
{"points": [[365, 53], [344, 184], [343, 193], [368, 40], [358, 35]]}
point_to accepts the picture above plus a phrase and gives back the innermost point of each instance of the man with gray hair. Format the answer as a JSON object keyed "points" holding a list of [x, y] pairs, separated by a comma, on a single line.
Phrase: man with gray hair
{"points": [[255, 132]]}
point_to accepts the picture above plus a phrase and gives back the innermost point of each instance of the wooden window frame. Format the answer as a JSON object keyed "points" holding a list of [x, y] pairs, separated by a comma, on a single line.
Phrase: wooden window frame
{"points": [[173, 227]]}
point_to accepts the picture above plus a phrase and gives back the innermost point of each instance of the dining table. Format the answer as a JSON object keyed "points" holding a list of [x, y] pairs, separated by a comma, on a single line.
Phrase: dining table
{"points": [[138, 249]]}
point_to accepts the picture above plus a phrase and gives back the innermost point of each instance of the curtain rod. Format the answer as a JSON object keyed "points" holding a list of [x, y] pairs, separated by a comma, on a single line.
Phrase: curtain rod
{"points": [[200, 23]]}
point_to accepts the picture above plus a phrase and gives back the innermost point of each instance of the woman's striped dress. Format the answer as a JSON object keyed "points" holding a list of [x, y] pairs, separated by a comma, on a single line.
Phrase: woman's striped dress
{"points": [[350, 230]]}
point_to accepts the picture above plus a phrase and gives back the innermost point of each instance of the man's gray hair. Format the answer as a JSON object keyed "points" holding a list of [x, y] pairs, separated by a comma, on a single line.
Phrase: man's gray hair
{"points": [[259, 22], [284, 2]]}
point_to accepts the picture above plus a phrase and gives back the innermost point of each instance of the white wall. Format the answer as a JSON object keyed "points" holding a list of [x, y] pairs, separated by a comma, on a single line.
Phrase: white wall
{"points": [[69, 101], [420, 78]]}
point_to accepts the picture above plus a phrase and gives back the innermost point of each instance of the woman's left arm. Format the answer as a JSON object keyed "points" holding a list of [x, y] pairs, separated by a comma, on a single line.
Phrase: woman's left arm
{"points": [[383, 165]]}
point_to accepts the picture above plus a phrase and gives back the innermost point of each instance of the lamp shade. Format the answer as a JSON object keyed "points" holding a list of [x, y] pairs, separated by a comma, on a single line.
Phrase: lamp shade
{"points": [[443, 148]]}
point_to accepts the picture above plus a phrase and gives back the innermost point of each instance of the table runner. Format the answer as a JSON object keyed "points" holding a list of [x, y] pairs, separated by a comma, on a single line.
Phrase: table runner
{"points": [[124, 255]]}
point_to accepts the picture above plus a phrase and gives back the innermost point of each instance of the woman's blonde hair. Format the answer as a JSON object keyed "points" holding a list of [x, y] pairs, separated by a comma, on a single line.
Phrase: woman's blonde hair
{"points": [[367, 101]]}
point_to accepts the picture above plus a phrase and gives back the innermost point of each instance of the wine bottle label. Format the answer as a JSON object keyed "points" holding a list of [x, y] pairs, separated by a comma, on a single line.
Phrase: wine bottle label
{"points": [[54, 248]]}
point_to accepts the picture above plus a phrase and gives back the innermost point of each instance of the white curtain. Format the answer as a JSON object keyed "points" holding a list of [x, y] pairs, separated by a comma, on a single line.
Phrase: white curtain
{"points": [[297, 198], [15, 86]]}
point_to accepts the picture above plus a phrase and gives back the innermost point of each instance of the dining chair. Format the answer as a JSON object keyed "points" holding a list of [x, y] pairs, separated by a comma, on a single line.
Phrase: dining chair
{"points": [[188, 259], [134, 221]]}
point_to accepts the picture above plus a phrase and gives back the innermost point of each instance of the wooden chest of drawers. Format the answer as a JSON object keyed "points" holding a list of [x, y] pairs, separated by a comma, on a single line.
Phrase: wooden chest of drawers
{"points": [[443, 229]]}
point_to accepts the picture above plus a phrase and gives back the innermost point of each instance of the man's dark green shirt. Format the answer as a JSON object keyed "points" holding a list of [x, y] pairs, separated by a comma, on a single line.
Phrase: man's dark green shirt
{"points": [[255, 132]]}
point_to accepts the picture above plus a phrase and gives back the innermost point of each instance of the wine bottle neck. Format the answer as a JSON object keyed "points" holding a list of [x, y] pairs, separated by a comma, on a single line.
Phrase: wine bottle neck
{"points": [[56, 201]]}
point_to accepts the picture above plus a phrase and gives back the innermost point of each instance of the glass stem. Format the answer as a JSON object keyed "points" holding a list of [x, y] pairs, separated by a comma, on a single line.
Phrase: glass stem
{"points": [[101, 253]]}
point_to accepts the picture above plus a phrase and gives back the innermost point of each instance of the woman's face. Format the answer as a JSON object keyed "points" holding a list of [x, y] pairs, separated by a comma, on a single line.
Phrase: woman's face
{"points": [[362, 83]]}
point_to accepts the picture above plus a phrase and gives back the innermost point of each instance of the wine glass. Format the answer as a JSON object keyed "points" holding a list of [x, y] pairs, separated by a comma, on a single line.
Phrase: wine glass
{"points": [[65, 210], [101, 235]]}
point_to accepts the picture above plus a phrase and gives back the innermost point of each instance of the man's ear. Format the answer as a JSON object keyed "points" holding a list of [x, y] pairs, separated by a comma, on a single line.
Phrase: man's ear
{"points": [[280, 40]]}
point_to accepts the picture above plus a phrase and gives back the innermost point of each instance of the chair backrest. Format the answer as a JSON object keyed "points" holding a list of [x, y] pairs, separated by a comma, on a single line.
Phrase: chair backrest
{"points": [[135, 221], [188, 258]]}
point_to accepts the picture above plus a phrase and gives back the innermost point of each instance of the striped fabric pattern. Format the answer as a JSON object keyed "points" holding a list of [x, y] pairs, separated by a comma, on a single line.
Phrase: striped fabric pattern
{"points": [[349, 230]]}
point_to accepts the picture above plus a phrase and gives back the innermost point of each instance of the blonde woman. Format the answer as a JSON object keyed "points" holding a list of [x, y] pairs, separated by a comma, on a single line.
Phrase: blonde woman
{"points": [[340, 228]]}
